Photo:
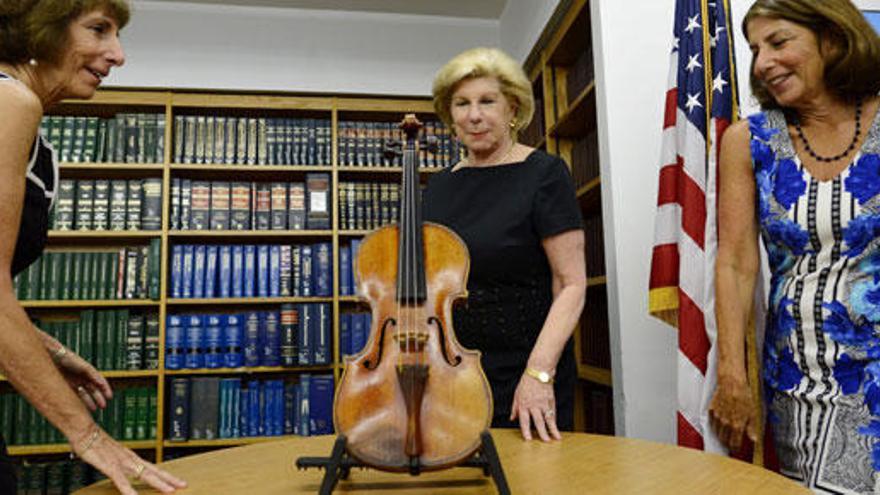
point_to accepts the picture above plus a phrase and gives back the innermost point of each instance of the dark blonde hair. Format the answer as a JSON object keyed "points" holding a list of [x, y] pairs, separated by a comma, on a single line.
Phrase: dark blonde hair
{"points": [[485, 62], [851, 68], [39, 29]]}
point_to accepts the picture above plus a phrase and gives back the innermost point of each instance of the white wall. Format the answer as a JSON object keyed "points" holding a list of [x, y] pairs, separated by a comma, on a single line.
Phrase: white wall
{"points": [[186, 45], [522, 22]]}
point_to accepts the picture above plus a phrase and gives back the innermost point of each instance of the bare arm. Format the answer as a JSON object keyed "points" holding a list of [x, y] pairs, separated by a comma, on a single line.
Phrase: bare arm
{"points": [[533, 400], [736, 270]]}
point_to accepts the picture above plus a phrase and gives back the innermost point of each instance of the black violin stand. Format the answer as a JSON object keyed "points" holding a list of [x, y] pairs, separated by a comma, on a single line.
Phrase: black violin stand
{"points": [[338, 465]]}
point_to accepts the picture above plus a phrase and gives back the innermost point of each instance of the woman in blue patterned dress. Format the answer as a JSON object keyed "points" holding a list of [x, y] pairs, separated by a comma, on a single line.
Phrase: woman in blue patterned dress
{"points": [[805, 174]]}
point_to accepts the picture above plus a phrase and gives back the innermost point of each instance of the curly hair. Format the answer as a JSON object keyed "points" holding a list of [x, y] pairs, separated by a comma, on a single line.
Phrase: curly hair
{"points": [[38, 29], [485, 62], [851, 68]]}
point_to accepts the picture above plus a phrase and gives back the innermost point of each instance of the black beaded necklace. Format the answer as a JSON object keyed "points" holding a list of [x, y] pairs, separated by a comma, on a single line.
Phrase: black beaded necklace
{"points": [[852, 144]]}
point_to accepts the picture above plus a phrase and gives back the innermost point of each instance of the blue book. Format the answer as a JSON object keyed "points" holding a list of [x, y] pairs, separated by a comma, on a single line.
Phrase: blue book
{"points": [[297, 402], [255, 419], [289, 408], [252, 339], [179, 409], [187, 275], [198, 283], [274, 270], [322, 347], [237, 271], [296, 271], [269, 408], [305, 276], [250, 268], [305, 342], [233, 356], [224, 279], [360, 323], [271, 339], [284, 267], [214, 341], [176, 271], [321, 405], [305, 414], [289, 334], [223, 430], [262, 270], [278, 417], [195, 342], [211, 256], [235, 409], [345, 288], [175, 343], [322, 269], [244, 403], [345, 334]]}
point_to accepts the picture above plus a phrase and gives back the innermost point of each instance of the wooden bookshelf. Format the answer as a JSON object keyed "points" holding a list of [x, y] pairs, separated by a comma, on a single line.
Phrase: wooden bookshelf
{"points": [[560, 68]]}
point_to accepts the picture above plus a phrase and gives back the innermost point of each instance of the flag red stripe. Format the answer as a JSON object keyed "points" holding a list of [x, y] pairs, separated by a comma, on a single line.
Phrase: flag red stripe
{"points": [[677, 187], [664, 266], [688, 436], [692, 339], [671, 108]]}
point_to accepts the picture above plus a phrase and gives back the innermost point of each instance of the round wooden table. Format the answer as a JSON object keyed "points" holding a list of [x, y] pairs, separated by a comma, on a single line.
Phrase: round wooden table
{"points": [[580, 463]]}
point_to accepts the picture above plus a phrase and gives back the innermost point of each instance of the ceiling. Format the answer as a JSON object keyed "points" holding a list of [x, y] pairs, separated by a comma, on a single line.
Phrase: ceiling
{"points": [[484, 9]]}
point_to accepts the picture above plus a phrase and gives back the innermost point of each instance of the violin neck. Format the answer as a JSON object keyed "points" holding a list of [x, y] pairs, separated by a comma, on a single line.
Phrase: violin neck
{"points": [[411, 287]]}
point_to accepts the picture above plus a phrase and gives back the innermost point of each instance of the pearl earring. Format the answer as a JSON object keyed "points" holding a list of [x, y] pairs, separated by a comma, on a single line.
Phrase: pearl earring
{"points": [[33, 62], [512, 123]]}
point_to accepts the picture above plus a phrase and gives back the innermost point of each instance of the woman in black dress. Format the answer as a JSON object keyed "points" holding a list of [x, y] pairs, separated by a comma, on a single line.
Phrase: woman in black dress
{"points": [[51, 50], [515, 208]]}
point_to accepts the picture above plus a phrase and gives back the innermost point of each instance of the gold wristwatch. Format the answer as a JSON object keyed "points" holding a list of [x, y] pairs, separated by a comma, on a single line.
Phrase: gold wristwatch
{"points": [[541, 376]]}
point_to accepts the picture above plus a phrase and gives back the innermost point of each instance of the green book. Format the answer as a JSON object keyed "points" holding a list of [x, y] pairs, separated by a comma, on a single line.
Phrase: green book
{"points": [[87, 335], [102, 262], [111, 342], [90, 143], [91, 270], [153, 408], [45, 272], [56, 262], [76, 281], [33, 425], [154, 263], [7, 415], [68, 128], [78, 146], [119, 351], [65, 278], [34, 274], [142, 426], [101, 142], [130, 415], [22, 420], [117, 415]]}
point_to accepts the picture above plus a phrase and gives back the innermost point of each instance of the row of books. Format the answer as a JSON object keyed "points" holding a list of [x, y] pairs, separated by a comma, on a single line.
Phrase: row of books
{"points": [[585, 158], [367, 205], [263, 270], [296, 335], [533, 133], [124, 138], [580, 74], [129, 415], [347, 256], [206, 408], [363, 144], [102, 204], [594, 329], [594, 250], [110, 339], [252, 140], [224, 205], [54, 478], [122, 273], [354, 328]]}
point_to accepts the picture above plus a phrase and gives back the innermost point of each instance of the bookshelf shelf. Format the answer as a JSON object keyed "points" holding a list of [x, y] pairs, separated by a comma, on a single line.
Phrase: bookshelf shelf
{"points": [[601, 376], [108, 167], [589, 195], [353, 233], [246, 234], [115, 235], [579, 116], [248, 371], [63, 448], [246, 301], [121, 374], [350, 170], [110, 303], [597, 281], [222, 442], [256, 169]]}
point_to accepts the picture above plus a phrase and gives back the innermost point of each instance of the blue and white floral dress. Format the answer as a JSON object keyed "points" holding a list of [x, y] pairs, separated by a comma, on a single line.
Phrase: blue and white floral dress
{"points": [[822, 343]]}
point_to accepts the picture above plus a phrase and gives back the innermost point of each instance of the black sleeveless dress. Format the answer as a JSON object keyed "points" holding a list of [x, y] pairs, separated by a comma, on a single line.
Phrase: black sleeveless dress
{"points": [[40, 186], [503, 213]]}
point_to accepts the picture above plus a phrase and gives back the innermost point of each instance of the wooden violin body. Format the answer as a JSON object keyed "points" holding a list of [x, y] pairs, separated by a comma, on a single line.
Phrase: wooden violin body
{"points": [[413, 398]]}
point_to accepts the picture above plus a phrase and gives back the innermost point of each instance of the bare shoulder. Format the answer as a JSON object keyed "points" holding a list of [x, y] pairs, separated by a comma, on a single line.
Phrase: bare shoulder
{"points": [[735, 145], [21, 108]]}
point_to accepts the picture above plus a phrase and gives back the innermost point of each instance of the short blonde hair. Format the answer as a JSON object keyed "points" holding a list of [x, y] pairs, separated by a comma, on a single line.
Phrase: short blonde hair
{"points": [[485, 62]]}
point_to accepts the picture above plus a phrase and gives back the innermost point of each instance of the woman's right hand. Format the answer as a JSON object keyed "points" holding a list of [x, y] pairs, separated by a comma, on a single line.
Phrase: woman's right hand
{"points": [[120, 463], [733, 412]]}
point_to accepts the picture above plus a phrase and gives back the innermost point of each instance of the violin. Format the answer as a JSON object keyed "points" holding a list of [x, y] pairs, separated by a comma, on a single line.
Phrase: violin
{"points": [[413, 399]]}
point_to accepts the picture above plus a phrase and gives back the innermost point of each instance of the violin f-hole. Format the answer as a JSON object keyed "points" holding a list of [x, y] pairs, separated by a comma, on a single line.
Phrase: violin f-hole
{"points": [[444, 346], [371, 364]]}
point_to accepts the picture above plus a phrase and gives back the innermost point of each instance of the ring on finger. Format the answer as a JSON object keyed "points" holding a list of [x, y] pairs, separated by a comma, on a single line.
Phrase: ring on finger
{"points": [[139, 470], [549, 413], [80, 389]]}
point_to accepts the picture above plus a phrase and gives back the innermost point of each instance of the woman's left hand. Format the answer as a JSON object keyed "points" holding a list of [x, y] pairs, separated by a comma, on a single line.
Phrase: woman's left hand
{"points": [[534, 403], [90, 386]]}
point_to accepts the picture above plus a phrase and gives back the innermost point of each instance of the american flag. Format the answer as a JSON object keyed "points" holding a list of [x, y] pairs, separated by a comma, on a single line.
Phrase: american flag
{"points": [[700, 103]]}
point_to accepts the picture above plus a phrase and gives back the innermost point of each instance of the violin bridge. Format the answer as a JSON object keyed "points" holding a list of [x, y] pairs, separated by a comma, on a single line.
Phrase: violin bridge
{"points": [[411, 341]]}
